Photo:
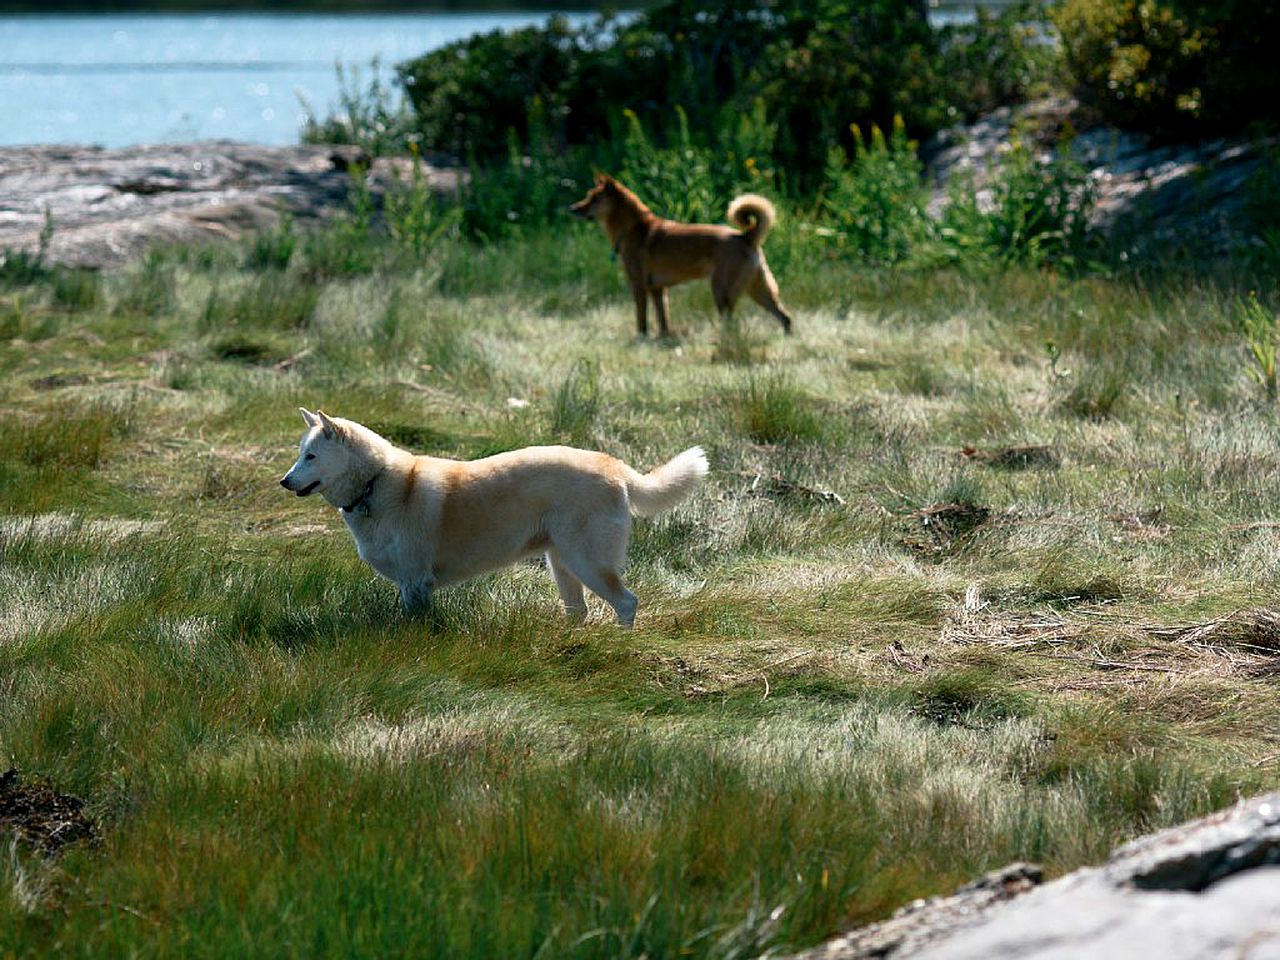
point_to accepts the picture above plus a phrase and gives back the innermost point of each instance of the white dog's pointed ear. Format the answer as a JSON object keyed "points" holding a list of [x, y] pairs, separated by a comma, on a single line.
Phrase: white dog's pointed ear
{"points": [[308, 416], [331, 429]]}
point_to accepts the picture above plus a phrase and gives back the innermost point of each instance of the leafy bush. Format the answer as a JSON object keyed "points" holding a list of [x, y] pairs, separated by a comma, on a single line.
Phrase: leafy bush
{"points": [[368, 115], [875, 205], [996, 59], [528, 189], [1038, 211], [811, 68], [1174, 67], [1033, 210], [686, 181], [467, 95]]}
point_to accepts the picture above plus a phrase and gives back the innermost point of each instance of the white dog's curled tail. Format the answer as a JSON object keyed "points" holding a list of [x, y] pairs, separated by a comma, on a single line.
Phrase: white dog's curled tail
{"points": [[663, 487], [755, 215]]}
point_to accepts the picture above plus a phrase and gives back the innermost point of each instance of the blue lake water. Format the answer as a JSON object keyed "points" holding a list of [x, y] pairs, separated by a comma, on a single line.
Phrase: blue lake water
{"points": [[117, 80]]}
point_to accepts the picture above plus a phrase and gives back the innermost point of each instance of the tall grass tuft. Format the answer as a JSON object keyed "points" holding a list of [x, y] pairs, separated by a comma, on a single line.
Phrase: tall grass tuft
{"points": [[348, 248], [272, 249], [772, 410], [78, 437], [271, 301], [76, 289], [1261, 329], [576, 404], [413, 212], [1095, 393], [147, 291]]}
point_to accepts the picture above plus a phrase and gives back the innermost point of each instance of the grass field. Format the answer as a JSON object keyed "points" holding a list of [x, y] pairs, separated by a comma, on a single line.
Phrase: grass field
{"points": [[949, 598]]}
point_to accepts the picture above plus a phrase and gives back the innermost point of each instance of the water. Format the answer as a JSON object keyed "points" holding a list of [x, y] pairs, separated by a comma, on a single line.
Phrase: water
{"points": [[118, 80]]}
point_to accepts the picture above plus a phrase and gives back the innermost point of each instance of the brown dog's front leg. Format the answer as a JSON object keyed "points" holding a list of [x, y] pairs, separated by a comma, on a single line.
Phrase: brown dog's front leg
{"points": [[642, 311]]}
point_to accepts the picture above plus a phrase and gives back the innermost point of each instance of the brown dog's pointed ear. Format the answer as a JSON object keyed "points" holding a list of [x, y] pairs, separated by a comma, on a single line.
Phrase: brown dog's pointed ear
{"points": [[600, 177], [331, 430], [308, 416]]}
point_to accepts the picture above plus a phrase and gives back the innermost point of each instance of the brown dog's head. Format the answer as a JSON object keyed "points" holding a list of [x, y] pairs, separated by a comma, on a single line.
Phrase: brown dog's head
{"points": [[599, 201]]}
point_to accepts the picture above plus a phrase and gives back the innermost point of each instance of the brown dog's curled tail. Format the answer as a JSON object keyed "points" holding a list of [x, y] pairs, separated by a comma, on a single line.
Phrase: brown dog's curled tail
{"points": [[755, 215], [663, 487]]}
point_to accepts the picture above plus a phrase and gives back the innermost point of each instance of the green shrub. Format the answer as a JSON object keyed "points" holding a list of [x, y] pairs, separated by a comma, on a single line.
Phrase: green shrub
{"points": [[1038, 211], [529, 189], [997, 58], [468, 94], [812, 67], [367, 116], [875, 204], [1174, 67]]}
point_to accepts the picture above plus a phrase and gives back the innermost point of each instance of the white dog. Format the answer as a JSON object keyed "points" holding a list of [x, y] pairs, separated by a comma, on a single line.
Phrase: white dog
{"points": [[426, 522]]}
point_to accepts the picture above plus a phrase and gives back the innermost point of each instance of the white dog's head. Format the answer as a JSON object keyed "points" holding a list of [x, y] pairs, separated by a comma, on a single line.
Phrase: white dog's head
{"points": [[326, 460]]}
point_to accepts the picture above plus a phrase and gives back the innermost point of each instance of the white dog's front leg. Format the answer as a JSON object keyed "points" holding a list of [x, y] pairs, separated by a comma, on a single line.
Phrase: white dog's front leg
{"points": [[416, 596]]}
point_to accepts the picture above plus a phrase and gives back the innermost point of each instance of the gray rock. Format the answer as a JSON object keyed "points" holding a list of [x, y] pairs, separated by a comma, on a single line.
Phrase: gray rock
{"points": [[1146, 195], [1205, 890], [107, 206]]}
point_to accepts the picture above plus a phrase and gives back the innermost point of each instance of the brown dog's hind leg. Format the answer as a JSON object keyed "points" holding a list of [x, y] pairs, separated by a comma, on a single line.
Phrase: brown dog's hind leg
{"points": [[764, 291], [642, 311]]}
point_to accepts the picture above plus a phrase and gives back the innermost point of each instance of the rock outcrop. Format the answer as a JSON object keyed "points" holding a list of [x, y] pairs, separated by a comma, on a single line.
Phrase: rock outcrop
{"points": [[1206, 890], [1147, 195], [107, 206]]}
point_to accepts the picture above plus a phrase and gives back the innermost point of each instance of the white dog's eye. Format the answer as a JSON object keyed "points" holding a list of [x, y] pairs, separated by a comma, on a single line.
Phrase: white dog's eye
{"points": [[309, 456]]}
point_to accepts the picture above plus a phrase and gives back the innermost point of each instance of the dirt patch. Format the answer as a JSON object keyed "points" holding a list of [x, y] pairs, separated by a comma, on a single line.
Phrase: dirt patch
{"points": [[56, 380], [1014, 458], [40, 816], [777, 487], [1253, 629], [942, 528]]}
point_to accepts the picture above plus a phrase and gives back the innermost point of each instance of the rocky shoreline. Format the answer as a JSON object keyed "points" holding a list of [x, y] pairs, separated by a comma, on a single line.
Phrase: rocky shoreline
{"points": [[108, 206]]}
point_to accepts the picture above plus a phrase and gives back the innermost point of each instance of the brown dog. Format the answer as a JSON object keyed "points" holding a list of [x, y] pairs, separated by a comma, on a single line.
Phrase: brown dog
{"points": [[658, 253]]}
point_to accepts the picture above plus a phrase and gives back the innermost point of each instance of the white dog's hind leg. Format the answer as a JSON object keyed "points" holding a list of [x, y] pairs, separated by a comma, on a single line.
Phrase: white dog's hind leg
{"points": [[415, 595], [570, 587], [605, 583], [594, 551]]}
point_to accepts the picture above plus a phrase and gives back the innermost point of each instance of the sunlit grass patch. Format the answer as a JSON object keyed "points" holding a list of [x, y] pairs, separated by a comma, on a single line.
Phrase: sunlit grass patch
{"points": [[910, 627], [79, 437]]}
